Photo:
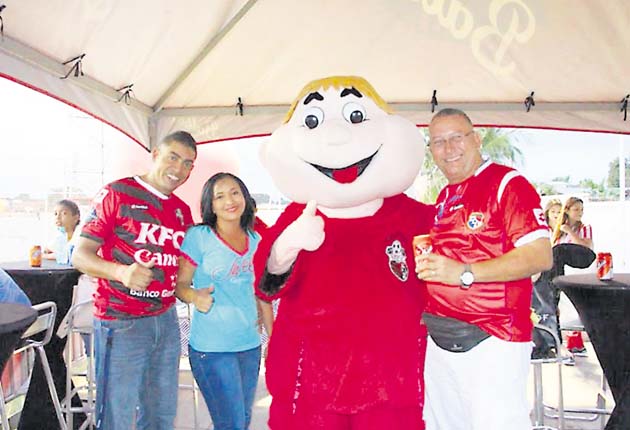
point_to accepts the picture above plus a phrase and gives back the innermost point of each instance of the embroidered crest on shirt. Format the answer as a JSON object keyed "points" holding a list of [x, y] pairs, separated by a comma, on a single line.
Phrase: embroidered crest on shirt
{"points": [[475, 220], [397, 260], [179, 215]]}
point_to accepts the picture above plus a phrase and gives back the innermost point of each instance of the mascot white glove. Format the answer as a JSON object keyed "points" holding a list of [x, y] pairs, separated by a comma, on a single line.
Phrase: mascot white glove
{"points": [[306, 232]]}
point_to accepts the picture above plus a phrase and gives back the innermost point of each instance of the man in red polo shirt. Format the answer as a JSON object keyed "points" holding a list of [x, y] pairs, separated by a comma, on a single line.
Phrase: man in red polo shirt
{"points": [[488, 238]]}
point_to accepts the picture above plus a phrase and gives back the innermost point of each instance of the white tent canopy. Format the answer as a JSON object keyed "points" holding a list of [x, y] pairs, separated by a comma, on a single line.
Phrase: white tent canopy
{"points": [[190, 61]]}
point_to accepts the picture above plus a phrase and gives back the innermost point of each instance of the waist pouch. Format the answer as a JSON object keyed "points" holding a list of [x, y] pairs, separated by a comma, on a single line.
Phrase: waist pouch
{"points": [[453, 335]]}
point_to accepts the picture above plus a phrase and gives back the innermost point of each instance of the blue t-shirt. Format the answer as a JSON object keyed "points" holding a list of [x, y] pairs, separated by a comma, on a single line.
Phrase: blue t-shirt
{"points": [[10, 292], [231, 323]]}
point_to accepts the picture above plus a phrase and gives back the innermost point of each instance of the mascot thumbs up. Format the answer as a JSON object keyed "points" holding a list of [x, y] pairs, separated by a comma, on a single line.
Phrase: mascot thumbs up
{"points": [[348, 345]]}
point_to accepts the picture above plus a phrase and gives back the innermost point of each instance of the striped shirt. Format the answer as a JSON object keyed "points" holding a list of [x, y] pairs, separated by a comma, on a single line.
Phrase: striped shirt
{"points": [[134, 222], [584, 232]]}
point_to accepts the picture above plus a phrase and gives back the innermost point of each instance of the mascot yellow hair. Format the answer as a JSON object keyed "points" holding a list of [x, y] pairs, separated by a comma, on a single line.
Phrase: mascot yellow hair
{"points": [[338, 82]]}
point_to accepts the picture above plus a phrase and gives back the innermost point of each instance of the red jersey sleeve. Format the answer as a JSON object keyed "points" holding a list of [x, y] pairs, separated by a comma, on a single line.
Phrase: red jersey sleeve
{"points": [[523, 217], [99, 224]]}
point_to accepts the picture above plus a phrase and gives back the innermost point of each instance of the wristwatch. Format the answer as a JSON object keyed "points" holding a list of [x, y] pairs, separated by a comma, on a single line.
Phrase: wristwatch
{"points": [[466, 278]]}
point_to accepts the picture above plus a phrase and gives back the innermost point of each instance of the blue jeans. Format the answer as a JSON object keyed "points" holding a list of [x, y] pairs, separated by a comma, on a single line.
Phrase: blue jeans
{"points": [[228, 382], [137, 362]]}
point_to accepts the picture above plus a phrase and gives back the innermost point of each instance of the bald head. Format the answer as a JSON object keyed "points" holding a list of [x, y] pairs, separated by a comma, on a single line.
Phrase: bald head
{"points": [[447, 112]]}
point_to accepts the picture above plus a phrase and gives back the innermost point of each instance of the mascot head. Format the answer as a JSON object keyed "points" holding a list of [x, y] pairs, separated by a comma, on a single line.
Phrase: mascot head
{"points": [[341, 146]]}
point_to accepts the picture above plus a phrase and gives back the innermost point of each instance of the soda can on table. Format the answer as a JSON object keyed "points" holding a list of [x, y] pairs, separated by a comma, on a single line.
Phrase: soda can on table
{"points": [[35, 256], [422, 245], [604, 266]]}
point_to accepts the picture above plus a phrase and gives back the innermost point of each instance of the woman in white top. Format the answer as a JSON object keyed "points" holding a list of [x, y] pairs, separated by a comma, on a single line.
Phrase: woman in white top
{"points": [[570, 228]]}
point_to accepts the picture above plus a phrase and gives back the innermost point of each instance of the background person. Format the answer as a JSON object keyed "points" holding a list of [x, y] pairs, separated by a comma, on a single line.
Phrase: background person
{"points": [[131, 242], [545, 297], [571, 229], [67, 219], [488, 238], [552, 212], [553, 209], [224, 348]]}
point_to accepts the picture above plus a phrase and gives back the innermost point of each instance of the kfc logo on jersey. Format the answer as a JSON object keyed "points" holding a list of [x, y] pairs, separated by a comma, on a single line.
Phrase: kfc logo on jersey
{"points": [[475, 220], [161, 259], [397, 260], [158, 235], [539, 214]]}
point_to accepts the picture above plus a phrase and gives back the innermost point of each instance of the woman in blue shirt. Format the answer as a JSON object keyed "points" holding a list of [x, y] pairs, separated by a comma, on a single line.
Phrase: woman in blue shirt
{"points": [[224, 339]]}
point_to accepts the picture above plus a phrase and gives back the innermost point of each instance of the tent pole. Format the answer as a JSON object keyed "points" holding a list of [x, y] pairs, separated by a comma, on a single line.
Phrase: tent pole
{"points": [[202, 55], [54, 68], [401, 107], [622, 170], [152, 132]]}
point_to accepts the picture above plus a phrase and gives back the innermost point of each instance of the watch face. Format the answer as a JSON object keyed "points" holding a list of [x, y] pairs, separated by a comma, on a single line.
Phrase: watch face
{"points": [[467, 278]]}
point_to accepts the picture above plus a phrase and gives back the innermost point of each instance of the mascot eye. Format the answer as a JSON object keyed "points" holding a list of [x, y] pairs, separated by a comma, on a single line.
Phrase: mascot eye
{"points": [[353, 112], [313, 117]]}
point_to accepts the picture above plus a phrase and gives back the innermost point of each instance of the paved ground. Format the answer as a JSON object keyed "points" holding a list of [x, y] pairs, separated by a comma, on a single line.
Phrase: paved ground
{"points": [[581, 384], [186, 417]]}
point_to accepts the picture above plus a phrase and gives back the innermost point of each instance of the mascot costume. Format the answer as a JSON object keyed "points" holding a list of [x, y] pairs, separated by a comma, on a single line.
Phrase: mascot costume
{"points": [[348, 346]]}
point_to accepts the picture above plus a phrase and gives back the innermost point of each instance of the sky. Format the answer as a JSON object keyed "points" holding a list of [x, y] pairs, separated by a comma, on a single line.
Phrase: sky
{"points": [[551, 153], [45, 144]]}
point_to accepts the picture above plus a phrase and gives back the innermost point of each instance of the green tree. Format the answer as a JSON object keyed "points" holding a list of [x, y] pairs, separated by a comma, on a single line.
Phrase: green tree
{"points": [[499, 147], [597, 191], [613, 173], [545, 189], [497, 144]]}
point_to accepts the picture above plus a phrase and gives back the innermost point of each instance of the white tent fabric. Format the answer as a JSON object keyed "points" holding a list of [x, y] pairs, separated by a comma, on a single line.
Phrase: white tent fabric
{"points": [[190, 61]]}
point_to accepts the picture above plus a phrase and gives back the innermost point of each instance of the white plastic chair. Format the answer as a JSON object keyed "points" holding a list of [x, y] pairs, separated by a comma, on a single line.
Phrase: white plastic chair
{"points": [[12, 400], [79, 321], [184, 315], [33, 341], [4, 417], [600, 411], [539, 405]]}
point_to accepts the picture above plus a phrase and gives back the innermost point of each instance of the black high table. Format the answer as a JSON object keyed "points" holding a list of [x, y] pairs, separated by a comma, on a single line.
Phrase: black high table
{"points": [[50, 282], [14, 320], [604, 308]]}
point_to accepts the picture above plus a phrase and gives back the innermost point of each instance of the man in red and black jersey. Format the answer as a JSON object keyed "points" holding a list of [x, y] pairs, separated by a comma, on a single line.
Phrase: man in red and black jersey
{"points": [[488, 238], [131, 243]]}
